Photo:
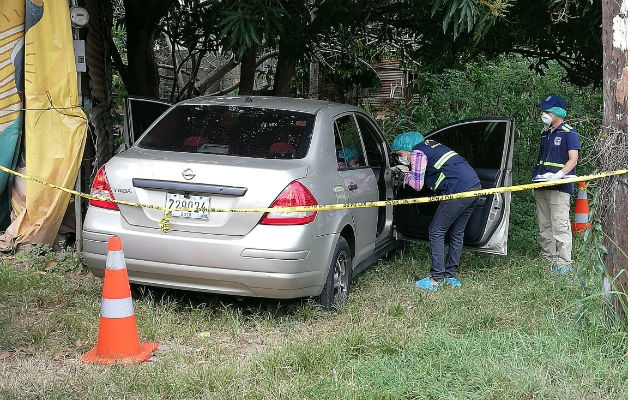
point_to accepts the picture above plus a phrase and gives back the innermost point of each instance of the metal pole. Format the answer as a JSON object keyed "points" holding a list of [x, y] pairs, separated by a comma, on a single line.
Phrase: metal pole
{"points": [[78, 213]]}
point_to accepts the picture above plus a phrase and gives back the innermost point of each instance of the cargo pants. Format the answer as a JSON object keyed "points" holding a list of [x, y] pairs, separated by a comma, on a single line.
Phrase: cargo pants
{"points": [[555, 238]]}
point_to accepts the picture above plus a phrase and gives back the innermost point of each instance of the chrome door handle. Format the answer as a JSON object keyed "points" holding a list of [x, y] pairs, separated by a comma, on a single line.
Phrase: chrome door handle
{"points": [[352, 186]]}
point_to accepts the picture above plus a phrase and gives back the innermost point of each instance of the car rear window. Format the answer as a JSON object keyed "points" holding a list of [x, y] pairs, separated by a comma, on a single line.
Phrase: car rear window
{"points": [[232, 131]]}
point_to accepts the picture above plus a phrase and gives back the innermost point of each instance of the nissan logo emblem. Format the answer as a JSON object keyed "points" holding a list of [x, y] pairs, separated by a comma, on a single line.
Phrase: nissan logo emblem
{"points": [[188, 174]]}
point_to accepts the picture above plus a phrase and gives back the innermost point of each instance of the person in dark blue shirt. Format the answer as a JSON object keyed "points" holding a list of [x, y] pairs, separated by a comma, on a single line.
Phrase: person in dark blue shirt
{"points": [[445, 172], [557, 158]]}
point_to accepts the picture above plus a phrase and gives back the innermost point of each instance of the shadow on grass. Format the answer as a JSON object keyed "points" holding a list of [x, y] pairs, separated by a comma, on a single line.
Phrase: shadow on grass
{"points": [[183, 300]]}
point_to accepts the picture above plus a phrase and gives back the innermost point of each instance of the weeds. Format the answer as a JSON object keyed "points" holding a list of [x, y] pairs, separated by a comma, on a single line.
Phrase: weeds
{"points": [[590, 269]]}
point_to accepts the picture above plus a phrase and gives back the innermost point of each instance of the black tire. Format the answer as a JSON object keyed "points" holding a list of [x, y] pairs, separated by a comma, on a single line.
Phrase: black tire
{"points": [[337, 287]]}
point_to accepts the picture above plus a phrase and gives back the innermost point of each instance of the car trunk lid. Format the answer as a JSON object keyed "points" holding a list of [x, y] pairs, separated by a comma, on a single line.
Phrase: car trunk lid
{"points": [[171, 179]]}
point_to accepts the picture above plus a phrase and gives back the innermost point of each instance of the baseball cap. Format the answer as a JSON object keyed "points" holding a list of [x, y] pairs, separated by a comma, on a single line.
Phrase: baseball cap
{"points": [[551, 102]]}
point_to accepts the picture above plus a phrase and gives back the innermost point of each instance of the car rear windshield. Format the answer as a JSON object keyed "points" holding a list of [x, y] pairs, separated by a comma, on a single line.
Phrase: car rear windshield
{"points": [[232, 131]]}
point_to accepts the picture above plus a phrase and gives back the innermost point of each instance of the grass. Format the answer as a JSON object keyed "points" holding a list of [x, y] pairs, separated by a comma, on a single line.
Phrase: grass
{"points": [[508, 333]]}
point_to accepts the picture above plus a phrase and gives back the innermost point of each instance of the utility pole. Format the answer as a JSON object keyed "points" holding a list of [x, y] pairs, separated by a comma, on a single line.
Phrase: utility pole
{"points": [[615, 127]]}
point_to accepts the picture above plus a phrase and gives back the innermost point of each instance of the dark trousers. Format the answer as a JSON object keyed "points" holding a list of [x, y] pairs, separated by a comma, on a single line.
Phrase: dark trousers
{"points": [[451, 217]]}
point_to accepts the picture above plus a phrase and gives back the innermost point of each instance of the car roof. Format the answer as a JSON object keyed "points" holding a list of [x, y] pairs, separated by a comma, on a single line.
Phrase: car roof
{"points": [[277, 103]]}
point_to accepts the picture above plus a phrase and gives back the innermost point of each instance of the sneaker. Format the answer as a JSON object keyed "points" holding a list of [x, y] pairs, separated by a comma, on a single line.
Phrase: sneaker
{"points": [[453, 282], [427, 284], [556, 270]]}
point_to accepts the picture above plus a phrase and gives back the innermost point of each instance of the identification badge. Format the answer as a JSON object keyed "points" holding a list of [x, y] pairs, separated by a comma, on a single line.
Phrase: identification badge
{"points": [[557, 141]]}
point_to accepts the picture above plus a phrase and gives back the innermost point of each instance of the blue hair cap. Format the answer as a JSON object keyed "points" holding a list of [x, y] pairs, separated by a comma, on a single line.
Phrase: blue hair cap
{"points": [[407, 141], [348, 154], [560, 112]]}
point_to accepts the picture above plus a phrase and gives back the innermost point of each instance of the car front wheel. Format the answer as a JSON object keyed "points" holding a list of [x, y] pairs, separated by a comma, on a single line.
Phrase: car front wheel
{"points": [[337, 286]]}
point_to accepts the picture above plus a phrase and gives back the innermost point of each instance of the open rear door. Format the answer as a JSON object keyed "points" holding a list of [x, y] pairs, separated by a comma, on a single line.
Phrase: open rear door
{"points": [[140, 113], [486, 143]]}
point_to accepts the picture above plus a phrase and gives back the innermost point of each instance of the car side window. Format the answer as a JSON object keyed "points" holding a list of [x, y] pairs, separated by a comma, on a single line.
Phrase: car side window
{"points": [[373, 147], [348, 143], [481, 143]]}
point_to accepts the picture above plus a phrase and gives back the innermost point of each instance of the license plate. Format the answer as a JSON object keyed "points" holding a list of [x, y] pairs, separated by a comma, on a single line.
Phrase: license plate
{"points": [[176, 200]]}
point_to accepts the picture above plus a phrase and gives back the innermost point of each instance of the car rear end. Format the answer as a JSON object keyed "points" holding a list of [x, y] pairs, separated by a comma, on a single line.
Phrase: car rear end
{"points": [[215, 156]]}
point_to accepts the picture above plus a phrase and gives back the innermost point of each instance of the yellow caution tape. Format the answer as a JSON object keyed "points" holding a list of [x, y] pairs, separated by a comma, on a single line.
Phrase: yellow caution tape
{"points": [[165, 223]]}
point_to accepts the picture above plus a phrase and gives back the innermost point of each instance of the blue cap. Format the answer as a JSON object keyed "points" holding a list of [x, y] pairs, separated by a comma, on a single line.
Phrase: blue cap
{"points": [[407, 141], [552, 102], [348, 154]]}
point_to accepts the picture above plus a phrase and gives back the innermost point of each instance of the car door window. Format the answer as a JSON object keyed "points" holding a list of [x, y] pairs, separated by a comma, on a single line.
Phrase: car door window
{"points": [[140, 113], [481, 143], [373, 149], [348, 144]]}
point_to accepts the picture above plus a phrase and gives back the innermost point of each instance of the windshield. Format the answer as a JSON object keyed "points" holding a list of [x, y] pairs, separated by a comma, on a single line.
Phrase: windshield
{"points": [[232, 131]]}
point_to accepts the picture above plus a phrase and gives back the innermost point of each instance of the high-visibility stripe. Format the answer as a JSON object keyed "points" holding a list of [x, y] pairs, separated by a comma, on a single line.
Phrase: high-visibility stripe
{"points": [[551, 164], [439, 180], [116, 284], [581, 218], [115, 260], [116, 308], [581, 194], [439, 163]]}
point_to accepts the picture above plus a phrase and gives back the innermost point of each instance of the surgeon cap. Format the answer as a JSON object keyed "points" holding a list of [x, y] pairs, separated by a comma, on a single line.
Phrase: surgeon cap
{"points": [[348, 153], [407, 141]]}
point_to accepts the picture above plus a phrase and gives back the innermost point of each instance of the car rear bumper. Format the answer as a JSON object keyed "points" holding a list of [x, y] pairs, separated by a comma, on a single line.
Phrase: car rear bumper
{"points": [[270, 261]]}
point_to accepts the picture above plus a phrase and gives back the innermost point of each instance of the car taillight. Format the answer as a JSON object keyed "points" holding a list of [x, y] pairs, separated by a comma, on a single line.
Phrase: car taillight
{"points": [[294, 195], [100, 188]]}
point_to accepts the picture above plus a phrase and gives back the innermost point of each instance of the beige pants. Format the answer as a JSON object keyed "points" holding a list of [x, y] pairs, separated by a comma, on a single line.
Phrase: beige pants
{"points": [[552, 210]]}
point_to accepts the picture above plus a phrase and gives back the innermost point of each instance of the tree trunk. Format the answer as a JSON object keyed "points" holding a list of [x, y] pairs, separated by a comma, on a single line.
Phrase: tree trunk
{"points": [[141, 19], [248, 72], [178, 81], [313, 81], [284, 69], [99, 63], [615, 124]]}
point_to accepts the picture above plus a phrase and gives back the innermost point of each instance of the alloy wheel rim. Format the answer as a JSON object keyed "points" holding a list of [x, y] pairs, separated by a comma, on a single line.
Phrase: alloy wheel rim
{"points": [[340, 279]]}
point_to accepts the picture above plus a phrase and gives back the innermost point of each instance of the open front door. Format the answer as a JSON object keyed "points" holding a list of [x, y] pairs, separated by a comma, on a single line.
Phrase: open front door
{"points": [[140, 113], [486, 143]]}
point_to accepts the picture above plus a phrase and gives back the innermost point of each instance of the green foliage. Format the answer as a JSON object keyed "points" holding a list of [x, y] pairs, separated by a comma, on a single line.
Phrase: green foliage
{"points": [[247, 23], [469, 15], [564, 31], [504, 87], [42, 257], [589, 252]]}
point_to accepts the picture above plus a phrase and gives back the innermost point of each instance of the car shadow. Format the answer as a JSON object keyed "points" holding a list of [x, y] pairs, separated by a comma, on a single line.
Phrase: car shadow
{"points": [[183, 300]]}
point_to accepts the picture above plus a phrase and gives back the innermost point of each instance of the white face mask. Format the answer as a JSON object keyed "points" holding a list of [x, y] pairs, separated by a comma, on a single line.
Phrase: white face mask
{"points": [[403, 160], [546, 119]]}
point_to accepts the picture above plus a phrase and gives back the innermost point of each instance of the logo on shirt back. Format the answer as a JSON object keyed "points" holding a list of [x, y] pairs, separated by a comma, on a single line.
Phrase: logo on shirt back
{"points": [[557, 141]]}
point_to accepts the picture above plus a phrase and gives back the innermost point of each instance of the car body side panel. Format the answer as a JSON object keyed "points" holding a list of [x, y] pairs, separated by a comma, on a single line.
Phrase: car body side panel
{"points": [[268, 258]]}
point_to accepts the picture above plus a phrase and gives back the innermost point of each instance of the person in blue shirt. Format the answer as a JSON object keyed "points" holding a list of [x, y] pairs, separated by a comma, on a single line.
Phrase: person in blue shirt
{"points": [[442, 170], [557, 158]]}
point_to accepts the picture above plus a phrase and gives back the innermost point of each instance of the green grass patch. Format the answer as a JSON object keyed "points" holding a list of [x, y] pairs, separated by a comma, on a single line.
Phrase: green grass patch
{"points": [[508, 333]]}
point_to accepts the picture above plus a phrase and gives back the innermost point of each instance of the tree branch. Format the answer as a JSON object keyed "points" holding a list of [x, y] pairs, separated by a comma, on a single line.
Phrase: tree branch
{"points": [[118, 62]]}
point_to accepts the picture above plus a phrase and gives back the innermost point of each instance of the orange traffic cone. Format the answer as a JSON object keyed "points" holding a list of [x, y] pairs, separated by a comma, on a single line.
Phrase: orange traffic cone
{"points": [[581, 210], [117, 332]]}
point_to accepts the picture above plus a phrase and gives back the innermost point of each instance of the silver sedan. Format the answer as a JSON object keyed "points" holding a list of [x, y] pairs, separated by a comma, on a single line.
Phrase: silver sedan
{"points": [[255, 152]]}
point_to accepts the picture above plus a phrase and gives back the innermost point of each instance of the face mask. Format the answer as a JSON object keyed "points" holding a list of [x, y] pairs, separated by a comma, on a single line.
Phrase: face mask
{"points": [[403, 160], [546, 119]]}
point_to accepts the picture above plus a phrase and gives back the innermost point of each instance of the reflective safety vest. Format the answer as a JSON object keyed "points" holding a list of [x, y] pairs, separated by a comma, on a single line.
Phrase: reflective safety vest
{"points": [[447, 172], [554, 153]]}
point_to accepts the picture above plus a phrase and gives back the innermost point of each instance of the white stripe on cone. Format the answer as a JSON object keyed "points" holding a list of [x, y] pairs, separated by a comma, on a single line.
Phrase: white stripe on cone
{"points": [[117, 308], [115, 260], [581, 218]]}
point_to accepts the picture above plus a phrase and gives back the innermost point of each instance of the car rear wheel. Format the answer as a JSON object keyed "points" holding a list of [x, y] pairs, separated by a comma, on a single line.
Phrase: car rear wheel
{"points": [[337, 286]]}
